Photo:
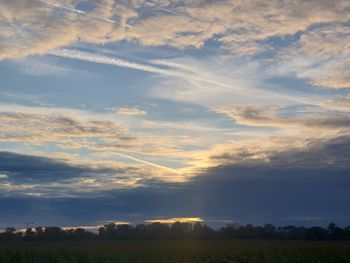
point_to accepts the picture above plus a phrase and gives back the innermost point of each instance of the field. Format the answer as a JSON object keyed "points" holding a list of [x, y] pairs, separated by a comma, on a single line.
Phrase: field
{"points": [[168, 251]]}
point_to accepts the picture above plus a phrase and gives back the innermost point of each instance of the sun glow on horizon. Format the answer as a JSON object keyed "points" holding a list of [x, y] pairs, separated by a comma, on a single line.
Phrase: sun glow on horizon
{"points": [[176, 219]]}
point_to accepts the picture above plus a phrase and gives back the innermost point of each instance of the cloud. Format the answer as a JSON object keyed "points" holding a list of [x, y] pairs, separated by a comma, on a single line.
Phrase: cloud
{"points": [[290, 187], [98, 135], [36, 170], [190, 72], [244, 23], [270, 116], [54, 175], [248, 183], [341, 103], [17, 126], [217, 81], [130, 111], [320, 55], [194, 80], [328, 150], [292, 136], [71, 129], [236, 24], [285, 151], [243, 28], [44, 67], [205, 83], [108, 141]]}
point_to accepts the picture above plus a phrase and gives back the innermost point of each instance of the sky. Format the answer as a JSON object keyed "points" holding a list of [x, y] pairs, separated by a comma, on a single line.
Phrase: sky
{"points": [[146, 110]]}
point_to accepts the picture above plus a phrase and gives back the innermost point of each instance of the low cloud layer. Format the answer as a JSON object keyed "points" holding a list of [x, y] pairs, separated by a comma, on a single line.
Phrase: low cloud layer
{"points": [[28, 175], [18, 168], [287, 152], [289, 189]]}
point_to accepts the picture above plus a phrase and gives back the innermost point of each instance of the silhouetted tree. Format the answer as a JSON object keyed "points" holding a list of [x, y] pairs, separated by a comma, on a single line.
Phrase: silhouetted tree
{"points": [[124, 231], [107, 231], [29, 234], [229, 231], [336, 233], [316, 233], [158, 230], [291, 232], [270, 231], [79, 234], [9, 234], [180, 230], [53, 233]]}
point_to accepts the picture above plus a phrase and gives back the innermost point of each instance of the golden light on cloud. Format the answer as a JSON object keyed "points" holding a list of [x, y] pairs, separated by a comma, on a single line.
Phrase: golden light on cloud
{"points": [[176, 219], [122, 223]]}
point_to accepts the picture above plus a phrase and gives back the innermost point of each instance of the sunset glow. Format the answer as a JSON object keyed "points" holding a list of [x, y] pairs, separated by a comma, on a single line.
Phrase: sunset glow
{"points": [[174, 220]]}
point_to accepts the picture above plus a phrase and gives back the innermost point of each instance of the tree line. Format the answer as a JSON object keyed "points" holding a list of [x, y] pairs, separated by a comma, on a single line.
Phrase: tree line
{"points": [[178, 230]]}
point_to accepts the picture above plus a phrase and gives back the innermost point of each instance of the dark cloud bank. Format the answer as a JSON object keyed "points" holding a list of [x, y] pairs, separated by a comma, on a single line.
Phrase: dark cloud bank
{"points": [[303, 187], [37, 170]]}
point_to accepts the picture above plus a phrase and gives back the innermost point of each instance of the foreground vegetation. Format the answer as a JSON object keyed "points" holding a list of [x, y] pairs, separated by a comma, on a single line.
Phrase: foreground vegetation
{"points": [[179, 242], [191, 251]]}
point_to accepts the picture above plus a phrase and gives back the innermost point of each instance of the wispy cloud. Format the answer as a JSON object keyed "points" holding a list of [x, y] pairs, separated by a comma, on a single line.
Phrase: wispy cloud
{"points": [[44, 67], [198, 80], [130, 111]]}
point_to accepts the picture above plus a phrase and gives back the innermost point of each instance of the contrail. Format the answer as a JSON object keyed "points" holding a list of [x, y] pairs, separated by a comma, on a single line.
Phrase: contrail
{"points": [[147, 162], [85, 56], [17, 28], [68, 8], [81, 12], [101, 59], [170, 11]]}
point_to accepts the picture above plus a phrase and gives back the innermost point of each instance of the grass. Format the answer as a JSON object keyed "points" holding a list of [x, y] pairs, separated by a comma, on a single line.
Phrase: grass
{"points": [[169, 251]]}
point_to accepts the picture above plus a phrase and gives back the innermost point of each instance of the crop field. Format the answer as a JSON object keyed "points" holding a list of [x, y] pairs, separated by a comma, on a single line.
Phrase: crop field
{"points": [[168, 251]]}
